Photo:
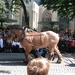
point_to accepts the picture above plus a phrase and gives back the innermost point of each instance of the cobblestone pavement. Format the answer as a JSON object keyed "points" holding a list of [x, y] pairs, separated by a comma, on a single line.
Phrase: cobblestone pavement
{"points": [[12, 64]]}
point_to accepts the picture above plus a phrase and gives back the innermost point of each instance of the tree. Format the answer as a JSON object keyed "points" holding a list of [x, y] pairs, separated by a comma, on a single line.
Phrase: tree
{"points": [[2, 9], [63, 7], [16, 5], [25, 13]]}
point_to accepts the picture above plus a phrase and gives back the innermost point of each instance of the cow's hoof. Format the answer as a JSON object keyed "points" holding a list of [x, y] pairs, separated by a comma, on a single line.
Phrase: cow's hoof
{"points": [[59, 61]]}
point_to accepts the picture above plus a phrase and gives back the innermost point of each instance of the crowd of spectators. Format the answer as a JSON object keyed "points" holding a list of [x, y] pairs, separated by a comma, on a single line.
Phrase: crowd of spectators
{"points": [[13, 46], [66, 42]]}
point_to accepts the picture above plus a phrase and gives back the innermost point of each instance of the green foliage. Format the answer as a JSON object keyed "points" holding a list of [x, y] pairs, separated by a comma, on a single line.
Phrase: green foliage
{"points": [[49, 27], [13, 6], [3, 9], [64, 7], [46, 27], [56, 27], [16, 5], [5, 25]]}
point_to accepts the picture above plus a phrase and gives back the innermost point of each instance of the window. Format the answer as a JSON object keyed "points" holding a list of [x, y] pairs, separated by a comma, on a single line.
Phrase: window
{"points": [[64, 22], [46, 17]]}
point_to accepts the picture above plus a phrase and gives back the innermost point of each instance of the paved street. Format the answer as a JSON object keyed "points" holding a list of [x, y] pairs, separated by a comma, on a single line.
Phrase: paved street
{"points": [[12, 64]]}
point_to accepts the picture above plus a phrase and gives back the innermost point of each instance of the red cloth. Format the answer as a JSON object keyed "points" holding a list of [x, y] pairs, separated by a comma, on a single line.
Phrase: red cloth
{"points": [[72, 43]]}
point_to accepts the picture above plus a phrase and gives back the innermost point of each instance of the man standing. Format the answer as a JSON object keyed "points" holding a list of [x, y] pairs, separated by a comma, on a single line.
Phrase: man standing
{"points": [[1, 43]]}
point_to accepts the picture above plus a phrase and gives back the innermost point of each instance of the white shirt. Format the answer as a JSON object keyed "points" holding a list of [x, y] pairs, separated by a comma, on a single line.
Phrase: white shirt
{"points": [[14, 43], [19, 45], [1, 42]]}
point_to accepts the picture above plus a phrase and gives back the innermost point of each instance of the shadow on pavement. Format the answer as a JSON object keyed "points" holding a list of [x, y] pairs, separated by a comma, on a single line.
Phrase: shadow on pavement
{"points": [[3, 71], [12, 63], [71, 65]]}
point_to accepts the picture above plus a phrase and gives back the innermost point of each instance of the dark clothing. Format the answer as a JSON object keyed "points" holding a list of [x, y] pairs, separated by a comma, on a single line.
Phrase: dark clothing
{"points": [[74, 37], [61, 45], [15, 48], [42, 52], [66, 45], [7, 47], [72, 46], [34, 53]]}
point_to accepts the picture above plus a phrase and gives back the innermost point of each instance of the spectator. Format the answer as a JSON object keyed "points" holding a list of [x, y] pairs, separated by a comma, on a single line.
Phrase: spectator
{"points": [[42, 51], [21, 49], [1, 31], [1, 43], [74, 35], [38, 66], [34, 29], [66, 45], [15, 46], [61, 44], [7, 47], [72, 46]]}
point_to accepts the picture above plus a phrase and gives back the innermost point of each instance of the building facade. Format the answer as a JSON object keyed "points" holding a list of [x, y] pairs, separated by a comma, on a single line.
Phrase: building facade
{"points": [[39, 15], [36, 14]]}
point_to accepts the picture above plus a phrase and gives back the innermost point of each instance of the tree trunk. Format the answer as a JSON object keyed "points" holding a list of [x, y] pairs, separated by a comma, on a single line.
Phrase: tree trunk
{"points": [[25, 14]]}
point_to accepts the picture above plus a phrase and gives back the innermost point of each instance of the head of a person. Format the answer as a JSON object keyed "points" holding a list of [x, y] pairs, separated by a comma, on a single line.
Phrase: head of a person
{"points": [[38, 66], [0, 36]]}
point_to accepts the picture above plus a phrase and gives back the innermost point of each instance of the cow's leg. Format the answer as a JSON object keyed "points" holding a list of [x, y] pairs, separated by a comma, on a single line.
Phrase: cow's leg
{"points": [[34, 53], [28, 58], [27, 54], [59, 55], [25, 60]]}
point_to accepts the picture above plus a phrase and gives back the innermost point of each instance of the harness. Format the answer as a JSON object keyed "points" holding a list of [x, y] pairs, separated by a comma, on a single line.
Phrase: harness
{"points": [[22, 36], [33, 42]]}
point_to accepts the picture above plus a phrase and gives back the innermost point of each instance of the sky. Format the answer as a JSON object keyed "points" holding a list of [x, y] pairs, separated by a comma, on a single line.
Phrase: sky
{"points": [[37, 1]]}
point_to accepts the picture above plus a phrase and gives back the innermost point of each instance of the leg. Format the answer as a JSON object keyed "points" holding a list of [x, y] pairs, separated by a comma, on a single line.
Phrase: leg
{"points": [[27, 59], [27, 48], [59, 55], [27, 55], [34, 53], [51, 56]]}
